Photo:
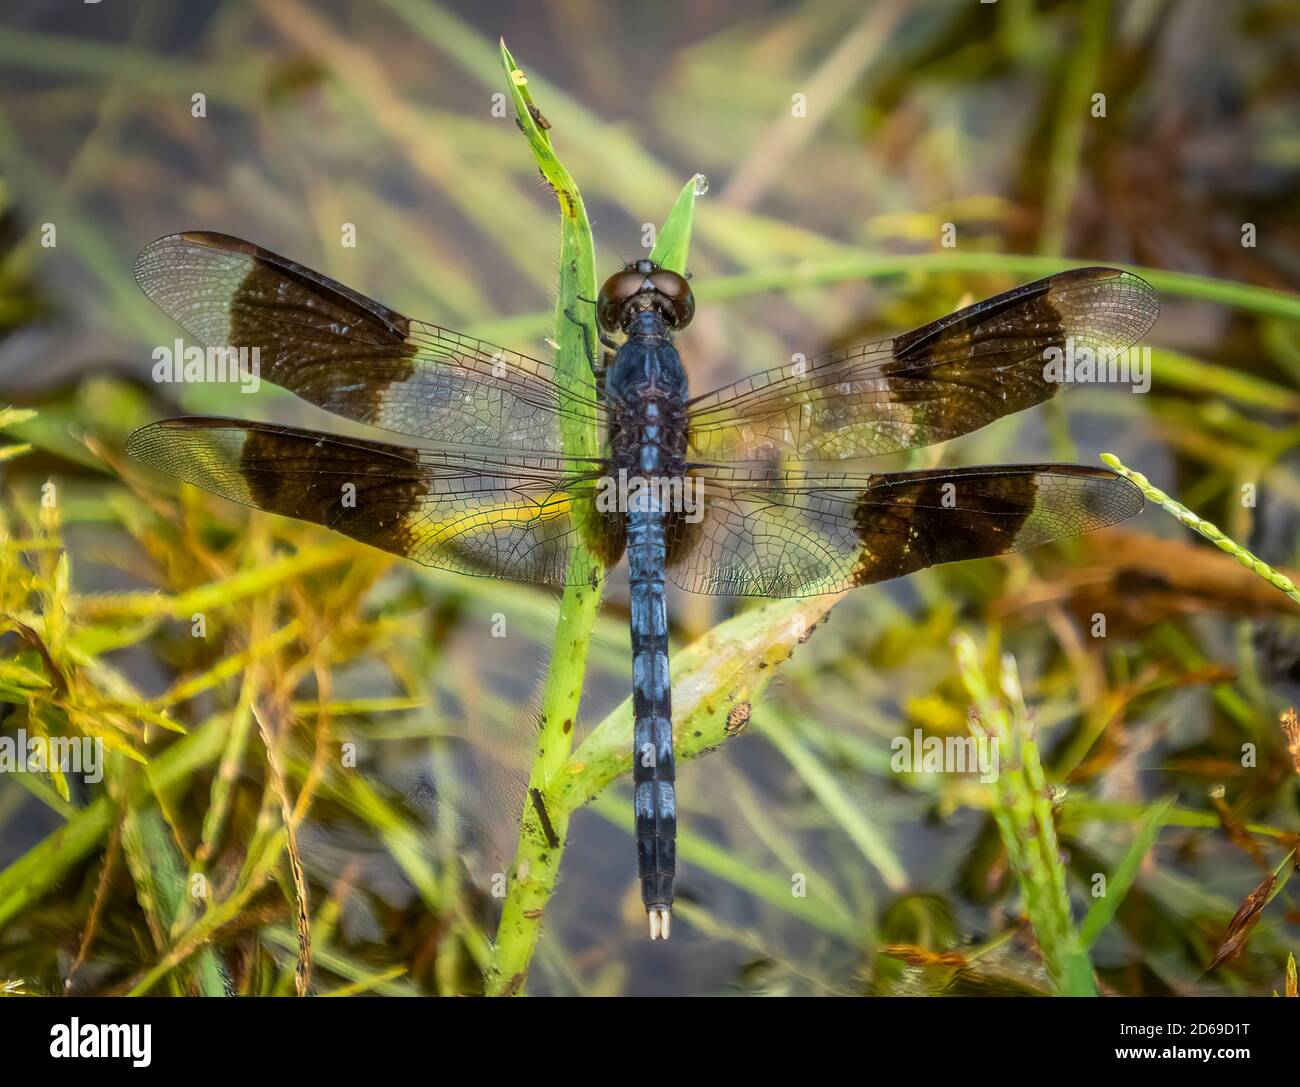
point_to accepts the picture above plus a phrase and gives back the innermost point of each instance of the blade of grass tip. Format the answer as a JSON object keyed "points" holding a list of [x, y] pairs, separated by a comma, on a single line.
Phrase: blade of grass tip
{"points": [[1103, 910], [540, 848], [1211, 532], [674, 240]]}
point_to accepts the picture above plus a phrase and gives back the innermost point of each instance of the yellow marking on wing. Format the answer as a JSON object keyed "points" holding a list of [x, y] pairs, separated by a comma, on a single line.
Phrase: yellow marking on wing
{"points": [[491, 518]]}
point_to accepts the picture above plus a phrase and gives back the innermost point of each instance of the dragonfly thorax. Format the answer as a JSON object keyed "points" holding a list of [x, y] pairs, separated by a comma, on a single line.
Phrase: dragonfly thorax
{"points": [[646, 365], [646, 393]]}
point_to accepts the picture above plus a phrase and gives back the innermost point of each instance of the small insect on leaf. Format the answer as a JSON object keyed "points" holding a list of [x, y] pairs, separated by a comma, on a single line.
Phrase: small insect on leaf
{"points": [[738, 718]]}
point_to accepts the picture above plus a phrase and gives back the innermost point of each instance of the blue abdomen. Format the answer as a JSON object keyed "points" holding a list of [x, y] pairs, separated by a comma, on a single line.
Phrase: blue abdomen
{"points": [[646, 392]]}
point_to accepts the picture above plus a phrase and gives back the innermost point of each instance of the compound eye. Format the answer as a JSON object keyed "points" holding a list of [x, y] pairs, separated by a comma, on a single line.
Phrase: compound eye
{"points": [[678, 293], [613, 296]]}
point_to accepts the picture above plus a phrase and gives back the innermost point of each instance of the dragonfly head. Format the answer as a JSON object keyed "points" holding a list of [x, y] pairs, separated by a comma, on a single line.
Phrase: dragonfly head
{"points": [[644, 285]]}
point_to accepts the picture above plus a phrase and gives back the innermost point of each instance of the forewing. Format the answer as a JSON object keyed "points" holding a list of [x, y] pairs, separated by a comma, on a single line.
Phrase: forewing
{"points": [[355, 357], [511, 517], [945, 379], [778, 534]]}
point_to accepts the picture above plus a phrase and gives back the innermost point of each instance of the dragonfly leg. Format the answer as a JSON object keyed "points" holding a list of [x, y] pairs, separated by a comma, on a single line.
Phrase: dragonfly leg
{"points": [[586, 341], [605, 337]]}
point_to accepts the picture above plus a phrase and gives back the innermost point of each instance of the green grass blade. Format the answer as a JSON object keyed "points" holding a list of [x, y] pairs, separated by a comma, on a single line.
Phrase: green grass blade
{"points": [[537, 860], [674, 241], [873, 846], [767, 886], [1020, 803], [1103, 910], [41, 867]]}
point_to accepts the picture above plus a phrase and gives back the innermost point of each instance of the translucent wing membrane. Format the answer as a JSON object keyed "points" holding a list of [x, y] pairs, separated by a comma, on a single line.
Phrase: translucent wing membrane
{"points": [[947, 378], [506, 516], [355, 357], [498, 497], [770, 533]]}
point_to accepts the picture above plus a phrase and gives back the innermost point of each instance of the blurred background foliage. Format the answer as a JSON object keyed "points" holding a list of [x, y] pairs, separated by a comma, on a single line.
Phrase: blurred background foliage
{"points": [[819, 230]]}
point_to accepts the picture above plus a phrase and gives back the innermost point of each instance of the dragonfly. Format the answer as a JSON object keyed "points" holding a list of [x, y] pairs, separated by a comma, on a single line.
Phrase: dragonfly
{"points": [[737, 492]]}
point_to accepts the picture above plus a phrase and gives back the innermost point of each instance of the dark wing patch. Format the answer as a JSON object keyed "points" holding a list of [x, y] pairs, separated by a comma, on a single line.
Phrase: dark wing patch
{"points": [[355, 357], [773, 533], [507, 516], [945, 379]]}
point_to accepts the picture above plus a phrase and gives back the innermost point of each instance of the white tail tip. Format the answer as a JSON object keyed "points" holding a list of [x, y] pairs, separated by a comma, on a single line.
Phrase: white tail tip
{"points": [[660, 920]]}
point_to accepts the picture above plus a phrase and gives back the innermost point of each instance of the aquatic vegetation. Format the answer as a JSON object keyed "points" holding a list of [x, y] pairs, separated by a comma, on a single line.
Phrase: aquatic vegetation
{"points": [[327, 771]]}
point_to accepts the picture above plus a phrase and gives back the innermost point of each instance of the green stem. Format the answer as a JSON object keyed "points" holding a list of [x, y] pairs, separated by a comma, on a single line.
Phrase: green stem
{"points": [[540, 847], [1211, 532], [537, 854], [544, 824]]}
